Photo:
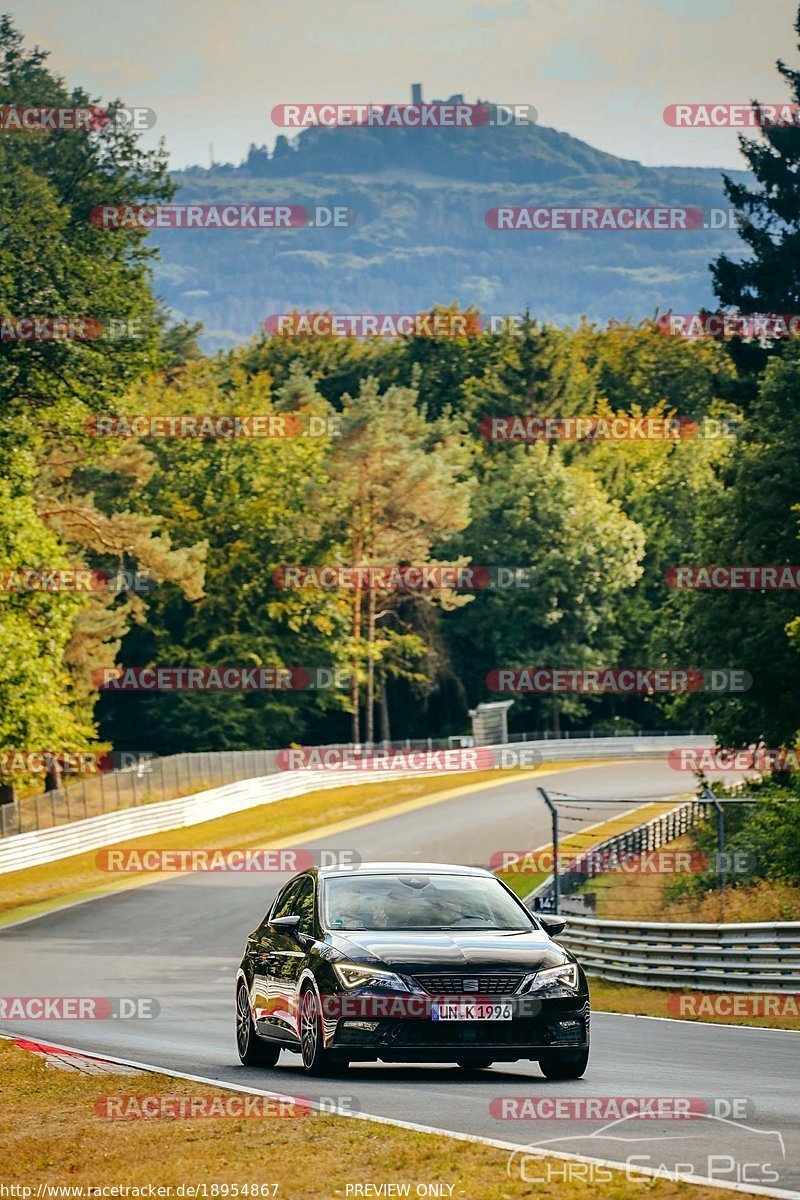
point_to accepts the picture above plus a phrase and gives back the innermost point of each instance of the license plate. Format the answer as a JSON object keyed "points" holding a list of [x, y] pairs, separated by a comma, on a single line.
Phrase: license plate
{"points": [[477, 1010]]}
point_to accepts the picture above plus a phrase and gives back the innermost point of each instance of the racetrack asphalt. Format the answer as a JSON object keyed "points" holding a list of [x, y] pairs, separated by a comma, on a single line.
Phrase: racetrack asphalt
{"points": [[179, 942]]}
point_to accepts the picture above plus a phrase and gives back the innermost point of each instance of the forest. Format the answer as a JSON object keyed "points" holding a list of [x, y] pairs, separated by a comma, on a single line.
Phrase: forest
{"points": [[372, 452]]}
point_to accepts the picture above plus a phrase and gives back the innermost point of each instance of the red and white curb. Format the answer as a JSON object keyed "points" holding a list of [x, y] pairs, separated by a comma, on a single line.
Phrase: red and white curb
{"points": [[64, 1059]]}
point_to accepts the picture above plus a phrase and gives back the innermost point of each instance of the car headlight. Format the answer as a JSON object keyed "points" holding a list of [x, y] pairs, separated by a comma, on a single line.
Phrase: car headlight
{"points": [[554, 977], [354, 975]]}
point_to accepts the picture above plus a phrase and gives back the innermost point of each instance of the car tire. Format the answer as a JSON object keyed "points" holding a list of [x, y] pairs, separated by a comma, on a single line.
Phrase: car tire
{"points": [[253, 1050], [564, 1064], [316, 1059], [475, 1064]]}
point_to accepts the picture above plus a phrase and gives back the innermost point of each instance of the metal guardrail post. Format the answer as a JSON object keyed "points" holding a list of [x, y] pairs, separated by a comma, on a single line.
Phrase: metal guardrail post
{"points": [[554, 818], [712, 799]]}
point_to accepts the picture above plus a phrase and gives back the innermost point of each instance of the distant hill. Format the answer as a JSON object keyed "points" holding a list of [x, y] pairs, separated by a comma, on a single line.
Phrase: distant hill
{"points": [[420, 235]]}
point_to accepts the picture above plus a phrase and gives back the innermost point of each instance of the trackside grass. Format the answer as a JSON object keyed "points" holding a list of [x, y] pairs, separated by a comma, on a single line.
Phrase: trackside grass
{"points": [[653, 1002], [53, 1132]]}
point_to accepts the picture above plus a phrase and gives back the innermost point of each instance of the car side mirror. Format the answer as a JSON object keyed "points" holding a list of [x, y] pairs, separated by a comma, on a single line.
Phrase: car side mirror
{"points": [[552, 925], [287, 924]]}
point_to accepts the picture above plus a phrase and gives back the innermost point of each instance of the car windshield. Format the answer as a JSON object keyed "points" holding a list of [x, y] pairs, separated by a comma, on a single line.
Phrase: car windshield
{"points": [[420, 902]]}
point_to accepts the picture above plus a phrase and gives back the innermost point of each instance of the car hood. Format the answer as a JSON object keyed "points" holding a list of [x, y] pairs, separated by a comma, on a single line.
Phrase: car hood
{"points": [[414, 950]]}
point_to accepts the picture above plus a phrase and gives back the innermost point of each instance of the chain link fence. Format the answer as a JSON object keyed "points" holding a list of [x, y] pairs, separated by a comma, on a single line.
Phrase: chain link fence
{"points": [[144, 781], [147, 780], [586, 864]]}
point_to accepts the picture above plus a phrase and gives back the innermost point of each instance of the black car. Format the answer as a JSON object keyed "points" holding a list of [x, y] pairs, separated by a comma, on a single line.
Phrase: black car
{"points": [[409, 962]]}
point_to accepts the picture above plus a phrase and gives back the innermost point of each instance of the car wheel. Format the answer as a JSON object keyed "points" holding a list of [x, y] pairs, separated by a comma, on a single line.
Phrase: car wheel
{"points": [[564, 1064], [316, 1059], [474, 1064], [253, 1051]]}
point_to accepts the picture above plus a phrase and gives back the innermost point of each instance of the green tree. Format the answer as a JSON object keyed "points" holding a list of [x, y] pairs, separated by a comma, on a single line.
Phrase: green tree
{"points": [[249, 504], [753, 520], [55, 264], [769, 280], [398, 483], [535, 512]]}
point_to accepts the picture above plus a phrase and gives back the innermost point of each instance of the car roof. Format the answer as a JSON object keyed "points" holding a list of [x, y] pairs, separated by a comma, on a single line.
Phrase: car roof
{"points": [[401, 868]]}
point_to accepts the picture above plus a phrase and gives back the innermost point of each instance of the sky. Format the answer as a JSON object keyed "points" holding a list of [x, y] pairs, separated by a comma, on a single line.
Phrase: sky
{"points": [[601, 70]]}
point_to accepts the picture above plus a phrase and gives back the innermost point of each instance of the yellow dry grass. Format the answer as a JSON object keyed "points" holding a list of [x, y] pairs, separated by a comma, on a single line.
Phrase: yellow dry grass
{"points": [[52, 1134]]}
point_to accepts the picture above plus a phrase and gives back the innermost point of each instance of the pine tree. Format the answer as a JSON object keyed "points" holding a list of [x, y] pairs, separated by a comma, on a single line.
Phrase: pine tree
{"points": [[769, 281]]}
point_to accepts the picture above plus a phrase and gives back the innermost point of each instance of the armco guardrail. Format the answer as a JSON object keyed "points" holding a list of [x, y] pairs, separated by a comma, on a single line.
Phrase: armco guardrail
{"points": [[146, 779], [759, 957], [50, 845], [657, 746], [62, 841]]}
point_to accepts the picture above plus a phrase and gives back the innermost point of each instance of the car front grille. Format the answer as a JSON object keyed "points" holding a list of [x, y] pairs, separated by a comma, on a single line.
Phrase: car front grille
{"points": [[452, 985]]}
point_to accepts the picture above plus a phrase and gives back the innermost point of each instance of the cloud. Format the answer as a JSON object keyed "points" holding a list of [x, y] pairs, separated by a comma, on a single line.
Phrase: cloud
{"points": [[180, 78], [512, 10], [632, 99], [691, 10], [570, 61]]}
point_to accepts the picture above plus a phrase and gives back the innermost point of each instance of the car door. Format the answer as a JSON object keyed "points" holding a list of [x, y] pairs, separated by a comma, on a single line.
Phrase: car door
{"points": [[287, 960], [263, 948]]}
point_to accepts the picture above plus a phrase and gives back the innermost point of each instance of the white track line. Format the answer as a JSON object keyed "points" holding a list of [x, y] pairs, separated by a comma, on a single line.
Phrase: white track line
{"points": [[475, 1138], [604, 1012]]}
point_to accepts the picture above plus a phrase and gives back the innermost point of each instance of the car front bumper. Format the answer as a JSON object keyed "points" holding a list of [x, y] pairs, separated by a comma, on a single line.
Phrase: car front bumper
{"points": [[561, 1023]]}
